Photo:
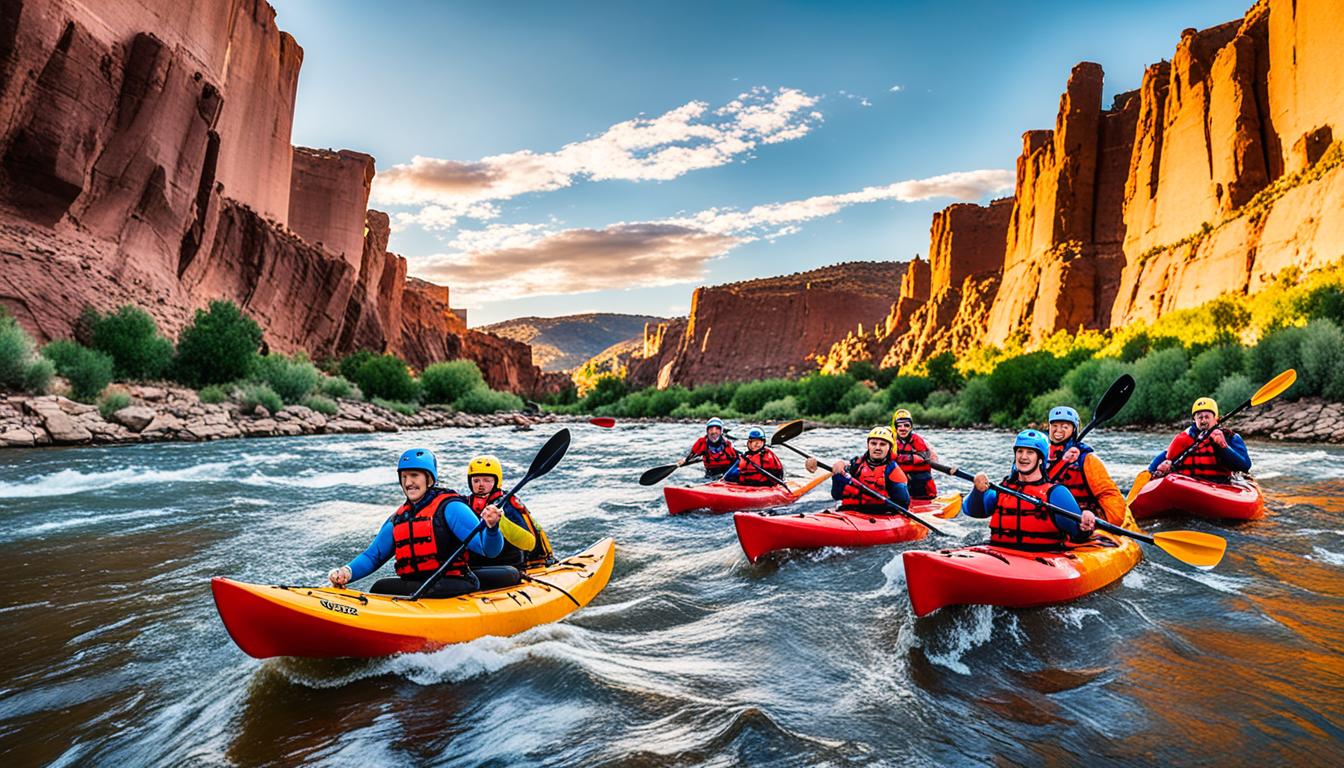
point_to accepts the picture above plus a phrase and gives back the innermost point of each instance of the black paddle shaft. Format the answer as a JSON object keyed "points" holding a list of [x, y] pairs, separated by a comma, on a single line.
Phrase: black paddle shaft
{"points": [[880, 497], [1208, 433], [1110, 404]]}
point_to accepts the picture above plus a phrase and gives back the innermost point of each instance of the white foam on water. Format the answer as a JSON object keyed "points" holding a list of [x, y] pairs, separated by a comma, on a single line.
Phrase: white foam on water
{"points": [[894, 573], [1074, 616], [972, 628], [70, 481], [1326, 556], [361, 478], [1225, 584], [97, 518], [1135, 580]]}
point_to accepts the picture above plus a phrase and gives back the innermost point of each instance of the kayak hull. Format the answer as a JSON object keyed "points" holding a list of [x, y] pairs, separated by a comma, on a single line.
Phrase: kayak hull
{"points": [[1182, 495], [991, 575], [720, 498], [326, 622], [761, 534]]}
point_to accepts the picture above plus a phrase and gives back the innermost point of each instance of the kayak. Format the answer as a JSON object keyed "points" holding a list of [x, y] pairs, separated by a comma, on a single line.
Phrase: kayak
{"points": [[992, 575], [720, 497], [1179, 494], [322, 622], [761, 533]]}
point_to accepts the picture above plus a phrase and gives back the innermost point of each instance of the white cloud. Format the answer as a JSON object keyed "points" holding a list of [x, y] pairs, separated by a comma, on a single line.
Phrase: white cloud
{"points": [[865, 103], [896, 88]]}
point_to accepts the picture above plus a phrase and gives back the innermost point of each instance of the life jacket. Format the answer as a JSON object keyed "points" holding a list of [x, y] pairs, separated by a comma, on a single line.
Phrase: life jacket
{"points": [[1073, 477], [1203, 461], [1020, 524], [918, 473], [855, 499], [748, 474], [421, 538], [718, 458], [540, 554]]}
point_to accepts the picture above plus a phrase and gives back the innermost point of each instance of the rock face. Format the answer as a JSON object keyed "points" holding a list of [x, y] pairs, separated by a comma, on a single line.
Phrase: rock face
{"points": [[145, 158], [565, 343], [760, 328], [1223, 169]]}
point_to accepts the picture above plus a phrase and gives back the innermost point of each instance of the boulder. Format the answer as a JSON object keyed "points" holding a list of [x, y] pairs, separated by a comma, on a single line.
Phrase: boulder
{"points": [[135, 417]]}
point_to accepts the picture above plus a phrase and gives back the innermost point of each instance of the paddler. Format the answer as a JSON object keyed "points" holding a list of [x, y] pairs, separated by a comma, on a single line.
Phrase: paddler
{"points": [[875, 468], [1075, 466], [525, 544], [714, 448], [747, 470], [429, 526], [914, 454], [1216, 458], [1022, 525]]}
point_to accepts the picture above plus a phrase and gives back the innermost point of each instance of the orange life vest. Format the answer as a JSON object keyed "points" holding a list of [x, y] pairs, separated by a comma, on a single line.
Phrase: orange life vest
{"points": [[421, 538], [1073, 478], [853, 498], [748, 474], [1017, 523]]}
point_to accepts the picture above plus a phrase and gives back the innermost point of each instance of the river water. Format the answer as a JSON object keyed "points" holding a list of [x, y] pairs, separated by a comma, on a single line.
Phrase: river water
{"points": [[114, 655]]}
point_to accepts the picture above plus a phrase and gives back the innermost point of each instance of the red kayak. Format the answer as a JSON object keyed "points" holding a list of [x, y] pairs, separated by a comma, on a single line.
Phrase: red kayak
{"points": [[719, 497], [761, 533], [1179, 494]]}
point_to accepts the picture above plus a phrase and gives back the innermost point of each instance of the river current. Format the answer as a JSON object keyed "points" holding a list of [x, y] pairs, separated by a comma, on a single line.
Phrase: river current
{"points": [[114, 654]]}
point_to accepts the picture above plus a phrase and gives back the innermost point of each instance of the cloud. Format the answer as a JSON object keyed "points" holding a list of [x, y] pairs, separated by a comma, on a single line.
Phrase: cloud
{"points": [[896, 88], [510, 261], [865, 103], [690, 137]]}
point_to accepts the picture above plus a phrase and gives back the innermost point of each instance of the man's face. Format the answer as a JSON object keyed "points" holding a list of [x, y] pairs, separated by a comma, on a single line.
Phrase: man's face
{"points": [[482, 484], [1060, 431], [755, 444], [414, 483], [714, 433], [1205, 420], [903, 428], [1026, 460], [878, 449]]}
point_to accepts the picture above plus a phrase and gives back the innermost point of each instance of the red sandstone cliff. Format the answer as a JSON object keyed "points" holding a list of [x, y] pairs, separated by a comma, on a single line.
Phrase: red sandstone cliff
{"points": [[145, 158]]}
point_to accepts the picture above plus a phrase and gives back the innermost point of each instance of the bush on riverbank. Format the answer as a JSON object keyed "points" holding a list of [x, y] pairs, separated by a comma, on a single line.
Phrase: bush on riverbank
{"points": [[218, 346], [21, 368], [131, 338], [87, 370]]}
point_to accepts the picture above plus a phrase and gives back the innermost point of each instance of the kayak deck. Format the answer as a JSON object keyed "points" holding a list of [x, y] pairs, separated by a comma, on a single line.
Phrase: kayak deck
{"points": [[1176, 494], [762, 533], [322, 622], [719, 497]]}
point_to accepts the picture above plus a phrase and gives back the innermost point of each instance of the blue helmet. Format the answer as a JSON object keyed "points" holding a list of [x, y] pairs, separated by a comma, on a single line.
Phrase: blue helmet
{"points": [[756, 433], [714, 422], [1065, 413], [1036, 441], [421, 459]]}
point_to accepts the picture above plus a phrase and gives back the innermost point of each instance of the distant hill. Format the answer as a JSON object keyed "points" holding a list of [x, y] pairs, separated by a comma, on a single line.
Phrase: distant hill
{"points": [[565, 343]]}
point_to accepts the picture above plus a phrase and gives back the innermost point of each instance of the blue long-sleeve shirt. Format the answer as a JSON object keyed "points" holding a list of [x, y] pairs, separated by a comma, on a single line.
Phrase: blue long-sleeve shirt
{"points": [[1235, 457], [897, 492], [461, 521], [982, 505]]}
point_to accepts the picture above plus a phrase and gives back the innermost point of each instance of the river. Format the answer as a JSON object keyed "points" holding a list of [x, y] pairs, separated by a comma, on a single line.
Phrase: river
{"points": [[114, 655]]}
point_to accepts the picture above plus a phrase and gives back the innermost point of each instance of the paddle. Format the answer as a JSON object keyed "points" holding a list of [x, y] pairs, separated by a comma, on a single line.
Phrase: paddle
{"points": [[1202, 550], [1110, 404], [661, 473], [606, 422], [792, 429], [550, 454]]}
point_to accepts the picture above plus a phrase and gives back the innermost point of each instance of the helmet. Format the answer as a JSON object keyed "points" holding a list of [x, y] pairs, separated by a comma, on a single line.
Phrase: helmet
{"points": [[1064, 413], [714, 422], [900, 415], [882, 433], [421, 459], [756, 433], [1036, 441], [1204, 404], [486, 465]]}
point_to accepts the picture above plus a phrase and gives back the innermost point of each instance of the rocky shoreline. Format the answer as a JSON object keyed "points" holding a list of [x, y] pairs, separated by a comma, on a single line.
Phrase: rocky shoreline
{"points": [[169, 414]]}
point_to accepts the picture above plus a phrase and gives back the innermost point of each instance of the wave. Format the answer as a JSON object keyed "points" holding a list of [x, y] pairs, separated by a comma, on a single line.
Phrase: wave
{"points": [[67, 482]]}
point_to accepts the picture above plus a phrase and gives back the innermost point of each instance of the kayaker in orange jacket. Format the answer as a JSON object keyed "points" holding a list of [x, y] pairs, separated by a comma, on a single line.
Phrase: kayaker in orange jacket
{"points": [[1019, 524], [1075, 466], [875, 468], [1216, 459], [913, 453]]}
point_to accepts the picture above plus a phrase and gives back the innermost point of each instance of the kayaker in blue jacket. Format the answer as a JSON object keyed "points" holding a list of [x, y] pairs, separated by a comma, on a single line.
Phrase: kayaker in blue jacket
{"points": [[429, 527], [1022, 525], [1223, 453], [877, 469]]}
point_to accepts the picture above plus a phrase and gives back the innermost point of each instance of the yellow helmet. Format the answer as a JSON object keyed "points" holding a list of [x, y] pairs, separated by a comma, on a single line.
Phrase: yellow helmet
{"points": [[1204, 404], [901, 414], [486, 465], [882, 433]]}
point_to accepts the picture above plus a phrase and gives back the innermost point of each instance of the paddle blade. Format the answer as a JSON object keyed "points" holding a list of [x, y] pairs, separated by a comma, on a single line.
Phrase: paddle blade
{"points": [[606, 422], [951, 507], [787, 432], [550, 454], [657, 474], [1114, 399], [1202, 550], [1274, 387], [1139, 481]]}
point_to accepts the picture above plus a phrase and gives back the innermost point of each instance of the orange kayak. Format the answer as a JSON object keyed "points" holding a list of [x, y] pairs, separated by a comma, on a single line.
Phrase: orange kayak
{"points": [[761, 533]]}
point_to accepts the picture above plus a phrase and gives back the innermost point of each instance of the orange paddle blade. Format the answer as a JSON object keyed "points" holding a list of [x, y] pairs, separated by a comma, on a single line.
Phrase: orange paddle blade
{"points": [[1274, 387], [1202, 550], [1139, 481]]}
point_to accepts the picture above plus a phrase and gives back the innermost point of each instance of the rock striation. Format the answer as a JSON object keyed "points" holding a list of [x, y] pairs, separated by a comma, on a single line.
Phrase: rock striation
{"points": [[145, 158]]}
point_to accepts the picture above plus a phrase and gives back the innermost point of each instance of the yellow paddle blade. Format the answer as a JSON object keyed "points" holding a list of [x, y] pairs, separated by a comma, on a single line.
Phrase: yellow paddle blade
{"points": [[1202, 550], [1274, 387], [951, 506], [810, 484], [1139, 481]]}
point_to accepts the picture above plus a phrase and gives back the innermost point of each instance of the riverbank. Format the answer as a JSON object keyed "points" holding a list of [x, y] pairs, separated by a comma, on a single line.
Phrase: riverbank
{"points": [[170, 414]]}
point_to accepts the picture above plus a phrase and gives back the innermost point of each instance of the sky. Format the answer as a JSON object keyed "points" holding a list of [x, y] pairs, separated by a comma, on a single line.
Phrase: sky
{"points": [[560, 158]]}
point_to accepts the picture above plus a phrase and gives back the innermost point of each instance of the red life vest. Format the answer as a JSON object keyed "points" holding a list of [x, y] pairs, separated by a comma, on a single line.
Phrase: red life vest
{"points": [[919, 474], [717, 459], [748, 474], [1073, 478], [421, 538], [511, 555], [1202, 462], [855, 499], [1016, 523]]}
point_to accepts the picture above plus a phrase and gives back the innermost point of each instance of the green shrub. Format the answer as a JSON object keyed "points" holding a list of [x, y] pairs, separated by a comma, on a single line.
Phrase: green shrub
{"points": [[38, 376], [1160, 394], [856, 396], [1017, 380], [869, 414], [1038, 412], [907, 390], [1090, 379], [751, 396], [721, 394], [606, 390], [292, 378], [1233, 391], [783, 409], [322, 405], [701, 412], [350, 364], [1326, 301], [112, 402], [664, 402], [386, 377], [131, 337], [446, 382], [978, 400], [1210, 367], [945, 415], [253, 395], [338, 387], [220, 345], [862, 370], [633, 406], [938, 398], [1322, 358], [88, 371], [942, 372], [819, 393], [16, 354], [396, 406], [488, 401], [1276, 352], [215, 394]]}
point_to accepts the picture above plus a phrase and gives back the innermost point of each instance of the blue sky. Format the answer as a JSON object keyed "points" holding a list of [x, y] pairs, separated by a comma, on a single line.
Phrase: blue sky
{"points": [[611, 157]]}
